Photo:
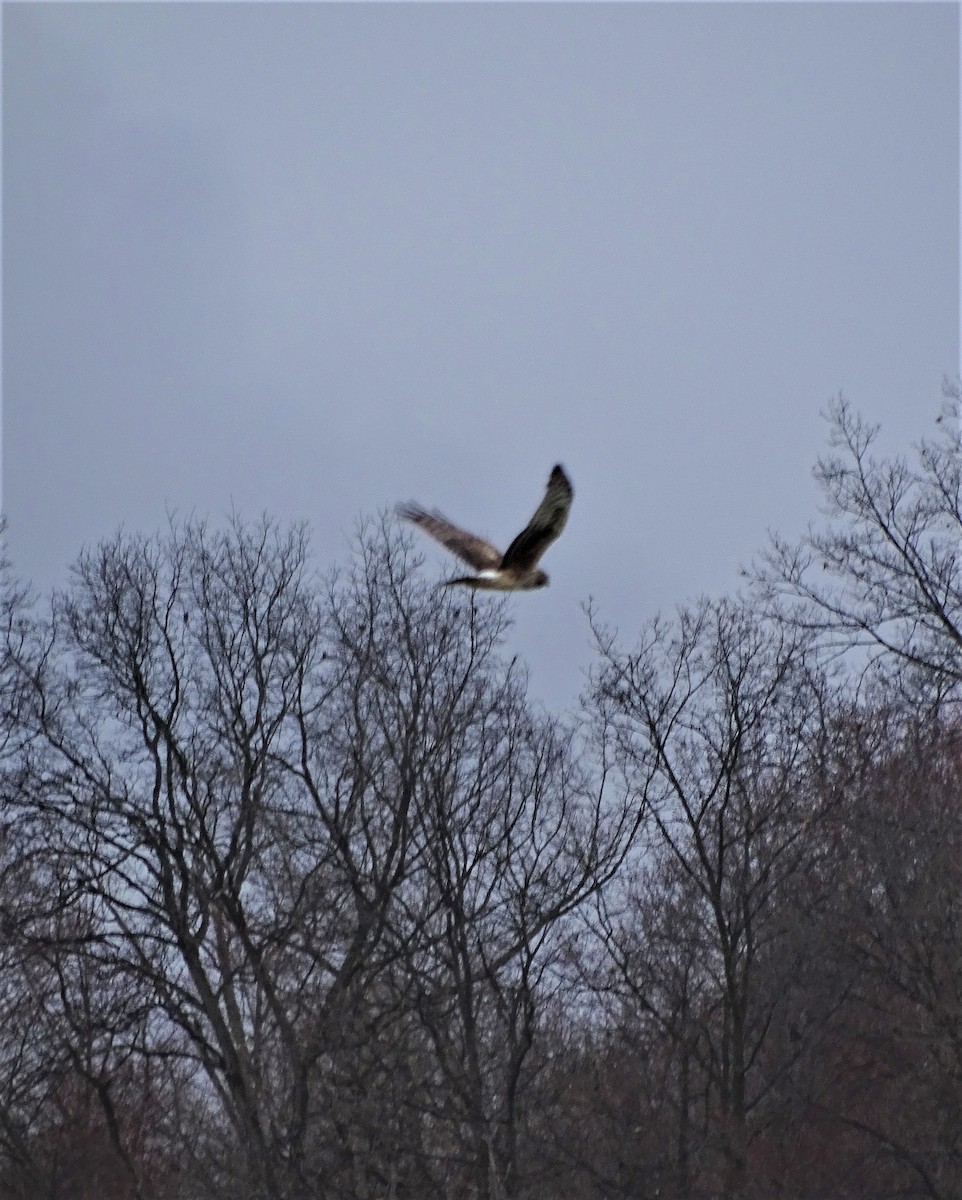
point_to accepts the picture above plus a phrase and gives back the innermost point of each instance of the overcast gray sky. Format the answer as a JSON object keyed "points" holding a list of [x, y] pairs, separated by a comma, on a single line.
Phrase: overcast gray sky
{"points": [[315, 259]]}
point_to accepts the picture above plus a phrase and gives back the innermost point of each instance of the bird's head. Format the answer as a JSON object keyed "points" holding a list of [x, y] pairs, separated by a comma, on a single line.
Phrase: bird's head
{"points": [[539, 580]]}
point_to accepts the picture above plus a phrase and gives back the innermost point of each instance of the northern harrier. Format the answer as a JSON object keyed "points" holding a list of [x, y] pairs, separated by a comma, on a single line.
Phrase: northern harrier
{"points": [[516, 569]]}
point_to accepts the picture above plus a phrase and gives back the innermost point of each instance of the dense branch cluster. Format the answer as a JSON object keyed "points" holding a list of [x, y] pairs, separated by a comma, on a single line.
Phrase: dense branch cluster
{"points": [[300, 896]]}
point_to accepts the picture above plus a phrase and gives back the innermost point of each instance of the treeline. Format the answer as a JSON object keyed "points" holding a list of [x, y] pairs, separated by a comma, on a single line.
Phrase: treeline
{"points": [[300, 896]]}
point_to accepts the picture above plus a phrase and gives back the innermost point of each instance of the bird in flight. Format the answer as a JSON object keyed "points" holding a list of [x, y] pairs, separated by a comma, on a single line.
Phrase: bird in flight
{"points": [[517, 569]]}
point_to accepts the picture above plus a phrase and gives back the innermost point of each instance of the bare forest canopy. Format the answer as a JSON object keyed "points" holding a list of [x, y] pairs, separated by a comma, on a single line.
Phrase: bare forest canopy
{"points": [[301, 897]]}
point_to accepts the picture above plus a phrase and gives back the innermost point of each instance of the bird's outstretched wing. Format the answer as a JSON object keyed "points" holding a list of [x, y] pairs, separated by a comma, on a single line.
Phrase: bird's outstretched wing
{"points": [[544, 527], [468, 546]]}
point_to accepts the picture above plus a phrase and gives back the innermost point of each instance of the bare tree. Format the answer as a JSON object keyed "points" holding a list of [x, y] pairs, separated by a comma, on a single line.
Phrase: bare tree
{"points": [[233, 773], [882, 578], [885, 573], [521, 841], [719, 720], [30, 1069]]}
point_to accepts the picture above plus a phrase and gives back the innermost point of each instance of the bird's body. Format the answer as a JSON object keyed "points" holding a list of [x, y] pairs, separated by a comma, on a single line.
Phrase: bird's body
{"points": [[517, 569]]}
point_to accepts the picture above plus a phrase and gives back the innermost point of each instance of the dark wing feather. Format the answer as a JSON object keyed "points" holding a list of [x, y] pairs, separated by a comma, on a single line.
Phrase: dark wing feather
{"points": [[544, 527], [473, 550]]}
